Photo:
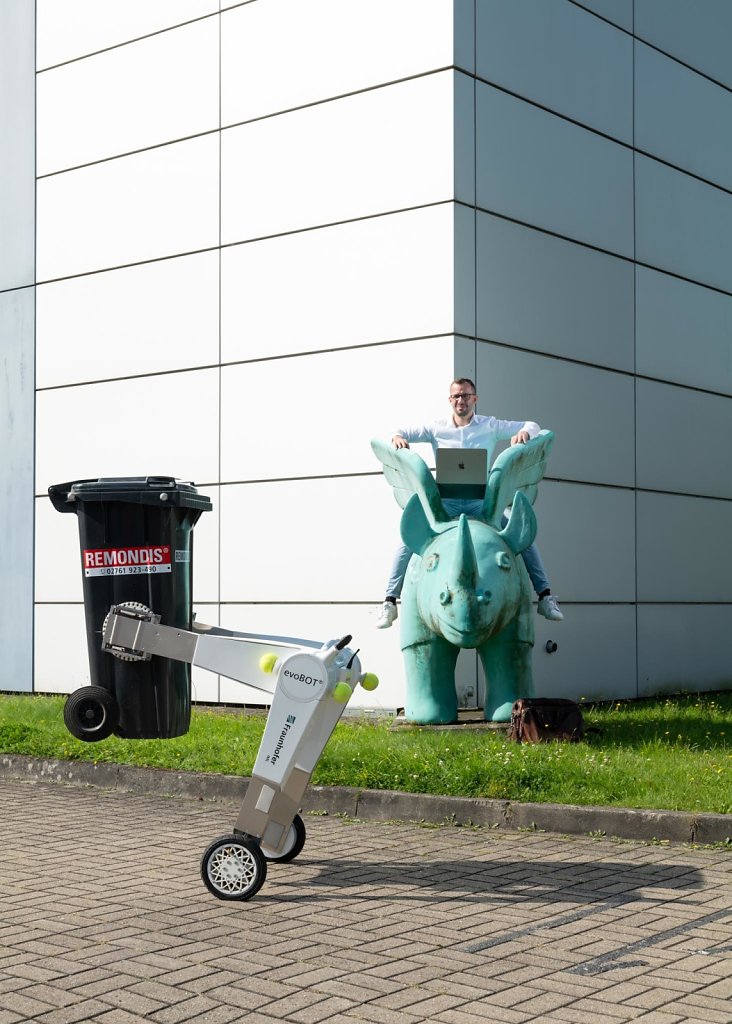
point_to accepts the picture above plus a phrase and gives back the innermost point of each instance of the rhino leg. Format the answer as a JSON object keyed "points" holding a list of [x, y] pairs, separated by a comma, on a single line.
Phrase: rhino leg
{"points": [[506, 662], [431, 696]]}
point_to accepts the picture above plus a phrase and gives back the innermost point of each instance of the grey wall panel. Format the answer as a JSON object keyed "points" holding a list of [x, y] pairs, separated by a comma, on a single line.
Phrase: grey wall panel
{"points": [[586, 539], [463, 39], [595, 657], [683, 331], [620, 12], [682, 117], [541, 169], [464, 358], [560, 56], [464, 138], [16, 489], [684, 647], [682, 440], [683, 225], [464, 270], [17, 144], [683, 550], [589, 410], [697, 33], [542, 292]]}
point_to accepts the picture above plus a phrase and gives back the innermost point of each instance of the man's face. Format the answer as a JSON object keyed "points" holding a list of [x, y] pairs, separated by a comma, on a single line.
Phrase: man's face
{"points": [[462, 399]]}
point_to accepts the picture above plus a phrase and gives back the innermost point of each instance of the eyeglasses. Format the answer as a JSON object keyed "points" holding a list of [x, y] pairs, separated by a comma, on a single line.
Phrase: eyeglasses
{"points": [[462, 394]]}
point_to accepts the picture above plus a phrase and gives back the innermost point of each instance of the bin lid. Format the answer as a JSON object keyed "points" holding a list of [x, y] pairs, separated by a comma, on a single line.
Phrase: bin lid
{"points": [[138, 490]]}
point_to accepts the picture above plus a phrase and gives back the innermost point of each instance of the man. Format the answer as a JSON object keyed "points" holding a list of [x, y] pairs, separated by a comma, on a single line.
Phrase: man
{"points": [[466, 429]]}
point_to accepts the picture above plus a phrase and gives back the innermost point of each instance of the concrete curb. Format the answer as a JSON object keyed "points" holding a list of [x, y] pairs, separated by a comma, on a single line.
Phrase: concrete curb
{"points": [[387, 805]]}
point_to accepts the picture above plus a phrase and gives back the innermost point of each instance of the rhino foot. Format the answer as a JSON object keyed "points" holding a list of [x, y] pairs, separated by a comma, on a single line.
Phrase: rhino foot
{"points": [[500, 714]]}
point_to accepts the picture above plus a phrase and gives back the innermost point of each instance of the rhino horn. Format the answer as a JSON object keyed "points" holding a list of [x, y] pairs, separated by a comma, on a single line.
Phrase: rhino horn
{"points": [[520, 529], [465, 564]]}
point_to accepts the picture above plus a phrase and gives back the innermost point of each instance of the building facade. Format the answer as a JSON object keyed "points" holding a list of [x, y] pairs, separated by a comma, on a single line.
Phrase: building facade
{"points": [[240, 239]]}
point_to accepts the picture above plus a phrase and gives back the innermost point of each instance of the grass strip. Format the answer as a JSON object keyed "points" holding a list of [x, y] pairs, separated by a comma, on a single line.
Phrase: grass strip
{"points": [[674, 753]]}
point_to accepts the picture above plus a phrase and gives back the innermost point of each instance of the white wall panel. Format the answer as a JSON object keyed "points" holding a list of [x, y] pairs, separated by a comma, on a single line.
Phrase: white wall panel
{"points": [[548, 172], [379, 279], [206, 552], [57, 553], [620, 12], [205, 684], [560, 56], [315, 415], [158, 203], [669, 123], [308, 540], [595, 657], [681, 440], [365, 154], [684, 647], [587, 541], [151, 425], [683, 331], [683, 554], [541, 292], [158, 89], [696, 33], [142, 319], [682, 224], [589, 410], [328, 48], [379, 649], [67, 29], [60, 628]]}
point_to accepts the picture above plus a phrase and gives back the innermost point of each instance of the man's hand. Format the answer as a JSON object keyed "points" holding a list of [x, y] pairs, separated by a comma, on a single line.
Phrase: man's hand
{"points": [[401, 442], [521, 438]]}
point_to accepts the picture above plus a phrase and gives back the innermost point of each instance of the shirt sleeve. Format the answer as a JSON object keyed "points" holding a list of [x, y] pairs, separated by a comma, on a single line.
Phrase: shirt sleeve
{"points": [[422, 434], [505, 429]]}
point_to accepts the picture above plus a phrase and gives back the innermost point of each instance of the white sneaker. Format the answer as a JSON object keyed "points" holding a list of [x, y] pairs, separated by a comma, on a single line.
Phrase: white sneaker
{"points": [[549, 608], [387, 615]]}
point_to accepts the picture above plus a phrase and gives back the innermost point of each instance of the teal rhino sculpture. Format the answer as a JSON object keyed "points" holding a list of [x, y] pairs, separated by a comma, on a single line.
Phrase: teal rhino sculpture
{"points": [[466, 586]]}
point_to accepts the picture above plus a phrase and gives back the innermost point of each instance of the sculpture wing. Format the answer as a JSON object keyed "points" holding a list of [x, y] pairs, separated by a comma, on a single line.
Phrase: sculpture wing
{"points": [[407, 473], [519, 468]]}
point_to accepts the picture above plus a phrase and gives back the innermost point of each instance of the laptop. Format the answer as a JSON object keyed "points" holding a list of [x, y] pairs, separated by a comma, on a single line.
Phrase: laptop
{"points": [[461, 472]]}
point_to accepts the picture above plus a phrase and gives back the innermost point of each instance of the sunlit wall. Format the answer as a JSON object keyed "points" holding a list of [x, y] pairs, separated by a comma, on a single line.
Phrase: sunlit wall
{"points": [[268, 231]]}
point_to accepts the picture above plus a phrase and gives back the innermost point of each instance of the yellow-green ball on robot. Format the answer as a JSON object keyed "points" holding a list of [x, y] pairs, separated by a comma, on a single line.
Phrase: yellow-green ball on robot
{"points": [[267, 662], [342, 693], [370, 681]]}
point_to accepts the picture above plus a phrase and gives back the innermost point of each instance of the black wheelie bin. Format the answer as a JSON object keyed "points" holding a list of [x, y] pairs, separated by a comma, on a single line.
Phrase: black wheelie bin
{"points": [[136, 545]]}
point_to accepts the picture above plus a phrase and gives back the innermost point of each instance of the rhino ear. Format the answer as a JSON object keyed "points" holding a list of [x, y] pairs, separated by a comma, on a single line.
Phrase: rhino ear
{"points": [[520, 530], [415, 528]]}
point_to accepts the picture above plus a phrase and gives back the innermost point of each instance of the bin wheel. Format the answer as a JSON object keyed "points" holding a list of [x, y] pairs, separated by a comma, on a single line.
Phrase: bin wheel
{"points": [[293, 844], [91, 713], [233, 867]]}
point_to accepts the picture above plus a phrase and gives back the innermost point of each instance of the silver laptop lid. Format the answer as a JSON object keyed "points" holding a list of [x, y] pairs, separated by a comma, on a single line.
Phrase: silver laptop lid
{"points": [[461, 472]]}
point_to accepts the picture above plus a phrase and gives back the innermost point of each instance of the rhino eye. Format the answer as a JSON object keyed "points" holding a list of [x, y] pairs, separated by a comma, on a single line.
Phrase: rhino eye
{"points": [[503, 560], [445, 596], [432, 562]]}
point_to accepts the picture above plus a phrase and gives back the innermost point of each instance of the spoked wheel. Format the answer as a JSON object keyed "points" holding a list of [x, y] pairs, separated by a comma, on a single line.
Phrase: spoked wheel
{"points": [[91, 713], [233, 868], [293, 844]]}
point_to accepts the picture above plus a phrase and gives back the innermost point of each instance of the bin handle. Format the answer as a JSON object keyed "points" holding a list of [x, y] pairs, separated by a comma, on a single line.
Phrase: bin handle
{"points": [[60, 495]]}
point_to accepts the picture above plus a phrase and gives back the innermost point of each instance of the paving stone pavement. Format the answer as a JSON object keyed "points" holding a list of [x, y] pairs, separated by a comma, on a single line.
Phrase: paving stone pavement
{"points": [[104, 918]]}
